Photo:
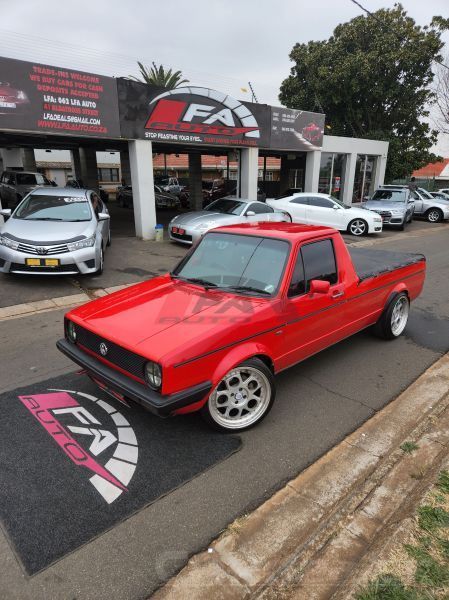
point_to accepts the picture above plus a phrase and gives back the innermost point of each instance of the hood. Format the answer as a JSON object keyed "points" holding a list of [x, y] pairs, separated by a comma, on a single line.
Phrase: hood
{"points": [[47, 232], [377, 205], [201, 216], [362, 213], [162, 316]]}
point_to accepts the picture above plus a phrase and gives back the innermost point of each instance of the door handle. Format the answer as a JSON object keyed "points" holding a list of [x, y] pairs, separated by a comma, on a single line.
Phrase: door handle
{"points": [[338, 294]]}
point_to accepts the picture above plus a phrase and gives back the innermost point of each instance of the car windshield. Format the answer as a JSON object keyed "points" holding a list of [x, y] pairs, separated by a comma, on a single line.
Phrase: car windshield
{"points": [[226, 206], [390, 195], [54, 208], [242, 263], [339, 202]]}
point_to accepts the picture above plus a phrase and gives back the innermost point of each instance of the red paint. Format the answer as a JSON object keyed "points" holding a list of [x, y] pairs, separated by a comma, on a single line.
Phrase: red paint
{"points": [[198, 335]]}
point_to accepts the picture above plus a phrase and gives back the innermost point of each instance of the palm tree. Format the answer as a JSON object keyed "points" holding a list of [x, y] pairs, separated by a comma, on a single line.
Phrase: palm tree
{"points": [[159, 76]]}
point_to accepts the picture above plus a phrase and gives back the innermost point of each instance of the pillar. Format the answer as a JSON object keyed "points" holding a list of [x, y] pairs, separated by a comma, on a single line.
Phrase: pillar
{"points": [[76, 163], [249, 169], [379, 172], [89, 169], [312, 176], [195, 181], [12, 158], [142, 181], [2, 166], [125, 168], [348, 178], [28, 159]]}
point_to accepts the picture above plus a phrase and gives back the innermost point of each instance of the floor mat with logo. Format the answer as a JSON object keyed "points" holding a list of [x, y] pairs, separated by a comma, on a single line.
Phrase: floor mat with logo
{"points": [[75, 462]]}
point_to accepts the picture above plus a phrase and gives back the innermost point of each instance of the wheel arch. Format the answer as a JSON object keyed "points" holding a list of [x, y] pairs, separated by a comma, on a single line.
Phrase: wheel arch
{"points": [[398, 289]]}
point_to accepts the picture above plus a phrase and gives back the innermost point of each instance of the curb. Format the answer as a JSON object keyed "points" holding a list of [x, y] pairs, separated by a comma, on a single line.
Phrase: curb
{"points": [[291, 529]]}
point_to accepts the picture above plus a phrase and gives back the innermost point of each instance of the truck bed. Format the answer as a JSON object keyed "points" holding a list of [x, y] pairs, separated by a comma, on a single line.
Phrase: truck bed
{"points": [[371, 263]]}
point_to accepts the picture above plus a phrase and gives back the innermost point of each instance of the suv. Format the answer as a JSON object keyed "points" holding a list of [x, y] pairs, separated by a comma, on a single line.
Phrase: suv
{"points": [[395, 204], [15, 185], [432, 209]]}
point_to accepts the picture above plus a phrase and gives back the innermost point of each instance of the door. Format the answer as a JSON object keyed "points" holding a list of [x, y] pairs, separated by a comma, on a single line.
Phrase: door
{"points": [[322, 211], [296, 208], [419, 203], [313, 321]]}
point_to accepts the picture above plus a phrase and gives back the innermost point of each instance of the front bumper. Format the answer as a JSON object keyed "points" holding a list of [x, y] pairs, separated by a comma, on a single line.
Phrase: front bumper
{"points": [[82, 261], [189, 237], [153, 401]]}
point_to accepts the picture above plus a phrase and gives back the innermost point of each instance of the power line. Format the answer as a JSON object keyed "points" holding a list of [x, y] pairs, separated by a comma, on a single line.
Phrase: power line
{"points": [[402, 39]]}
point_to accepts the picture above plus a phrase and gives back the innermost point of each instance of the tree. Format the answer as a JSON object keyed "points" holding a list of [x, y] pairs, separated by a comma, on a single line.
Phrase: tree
{"points": [[442, 98], [372, 78], [159, 76]]}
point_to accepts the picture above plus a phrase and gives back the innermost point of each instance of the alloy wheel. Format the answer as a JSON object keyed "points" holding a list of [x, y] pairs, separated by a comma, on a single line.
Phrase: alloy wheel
{"points": [[399, 316], [434, 216], [357, 227]]}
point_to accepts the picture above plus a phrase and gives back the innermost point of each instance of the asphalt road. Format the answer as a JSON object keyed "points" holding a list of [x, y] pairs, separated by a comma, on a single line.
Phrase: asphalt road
{"points": [[319, 402]]}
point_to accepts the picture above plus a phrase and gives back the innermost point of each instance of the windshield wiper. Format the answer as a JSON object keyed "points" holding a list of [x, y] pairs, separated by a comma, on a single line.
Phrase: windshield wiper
{"points": [[44, 219], [247, 288], [206, 284]]}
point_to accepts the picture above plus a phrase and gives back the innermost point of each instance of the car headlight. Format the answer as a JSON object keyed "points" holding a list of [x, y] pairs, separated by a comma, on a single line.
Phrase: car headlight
{"points": [[153, 374], [8, 242], [377, 220], [87, 243], [71, 331], [397, 213]]}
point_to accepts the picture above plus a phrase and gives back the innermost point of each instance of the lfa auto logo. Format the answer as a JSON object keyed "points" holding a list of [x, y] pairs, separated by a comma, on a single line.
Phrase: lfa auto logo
{"points": [[202, 111], [109, 450]]}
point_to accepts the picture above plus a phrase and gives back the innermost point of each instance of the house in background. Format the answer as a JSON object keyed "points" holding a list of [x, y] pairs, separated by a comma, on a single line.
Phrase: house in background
{"points": [[433, 176]]}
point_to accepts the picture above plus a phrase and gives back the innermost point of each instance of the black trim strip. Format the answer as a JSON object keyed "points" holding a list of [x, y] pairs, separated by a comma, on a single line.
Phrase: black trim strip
{"points": [[181, 364], [41, 243]]}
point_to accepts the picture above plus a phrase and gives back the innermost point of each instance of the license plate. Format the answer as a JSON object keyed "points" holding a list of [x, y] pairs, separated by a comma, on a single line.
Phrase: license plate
{"points": [[42, 262]]}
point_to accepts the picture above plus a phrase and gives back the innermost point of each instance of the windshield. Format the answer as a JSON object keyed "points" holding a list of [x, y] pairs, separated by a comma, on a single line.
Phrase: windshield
{"points": [[53, 208], [339, 202], [226, 206], [425, 193], [390, 195], [238, 262]]}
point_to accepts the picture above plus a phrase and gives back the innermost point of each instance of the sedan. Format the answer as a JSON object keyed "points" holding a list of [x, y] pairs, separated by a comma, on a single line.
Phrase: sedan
{"points": [[163, 199], [190, 227], [323, 209], [55, 231]]}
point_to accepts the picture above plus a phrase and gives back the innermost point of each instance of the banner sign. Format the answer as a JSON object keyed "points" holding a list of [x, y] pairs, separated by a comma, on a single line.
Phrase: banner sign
{"points": [[296, 129], [191, 115], [42, 98]]}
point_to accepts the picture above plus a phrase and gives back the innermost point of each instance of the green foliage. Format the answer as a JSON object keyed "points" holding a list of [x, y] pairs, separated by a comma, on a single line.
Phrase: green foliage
{"points": [[429, 572], [443, 482], [372, 78], [388, 587], [159, 76], [431, 518], [409, 447]]}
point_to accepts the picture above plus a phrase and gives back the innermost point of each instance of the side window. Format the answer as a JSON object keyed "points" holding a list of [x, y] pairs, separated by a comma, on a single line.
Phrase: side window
{"points": [[414, 195], [321, 202], [300, 200], [297, 283], [319, 262], [11, 179], [259, 209]]}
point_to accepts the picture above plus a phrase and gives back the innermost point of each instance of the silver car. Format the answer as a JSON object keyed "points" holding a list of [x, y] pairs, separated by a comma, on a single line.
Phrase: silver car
{"points": [[394, 204], [432, 209], [55, 231], [190, 227], [15, 185]]}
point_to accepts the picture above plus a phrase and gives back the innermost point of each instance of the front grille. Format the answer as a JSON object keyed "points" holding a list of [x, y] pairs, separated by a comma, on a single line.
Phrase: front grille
{"points": [[43, 250], [44, 269], [385, 214], [126, 360], [183, 236]]}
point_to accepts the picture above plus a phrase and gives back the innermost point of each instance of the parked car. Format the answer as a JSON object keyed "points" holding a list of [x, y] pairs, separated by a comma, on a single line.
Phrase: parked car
{"points": [[247, 302], [425, 205], [55, 231], [163, 199], [11, 99], [323, 209], [395, 206], [444, 191], [440, 196], [15, 185], [189, 227], [219, 189], [168, 184], [78, 184]]}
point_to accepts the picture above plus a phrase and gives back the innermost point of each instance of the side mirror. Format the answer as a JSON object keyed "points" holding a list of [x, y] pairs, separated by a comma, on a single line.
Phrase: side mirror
{"points": [[5, 212], [336, 207], [319, 287], [250, 213], [103, 216]]}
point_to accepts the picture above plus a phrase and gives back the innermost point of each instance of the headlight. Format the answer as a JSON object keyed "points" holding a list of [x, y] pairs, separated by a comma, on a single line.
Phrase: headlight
{"points": [[71, 331], [397, 213], [87, 243], [377, 220], [153, 374], [9, 243]]}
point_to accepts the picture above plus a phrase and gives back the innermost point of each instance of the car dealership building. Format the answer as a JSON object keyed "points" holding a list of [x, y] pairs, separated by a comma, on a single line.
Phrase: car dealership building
{"points": [[125, 130]]}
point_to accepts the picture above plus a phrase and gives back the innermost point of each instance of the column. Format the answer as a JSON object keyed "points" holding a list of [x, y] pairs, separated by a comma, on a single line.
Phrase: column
{"points": [[284, 182], [89, 169], [348, 178], [144, 201], [125, 168], [249, 169], [76, 163], [12, 158], [2, 166], [312, 176], [195, 181], [379, 173], [28, 159]]}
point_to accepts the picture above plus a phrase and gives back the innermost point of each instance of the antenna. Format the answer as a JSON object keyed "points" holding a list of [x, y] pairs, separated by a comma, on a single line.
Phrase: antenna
{"points": [[254, 97]]}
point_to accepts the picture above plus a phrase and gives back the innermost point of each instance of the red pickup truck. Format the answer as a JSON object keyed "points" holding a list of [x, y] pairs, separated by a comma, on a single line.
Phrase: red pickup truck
{"points": [[245, 303]]}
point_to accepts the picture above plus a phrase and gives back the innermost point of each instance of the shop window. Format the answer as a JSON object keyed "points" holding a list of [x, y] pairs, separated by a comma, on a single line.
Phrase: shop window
{"points": [[108, 175], [364, 177], [331, 174]]}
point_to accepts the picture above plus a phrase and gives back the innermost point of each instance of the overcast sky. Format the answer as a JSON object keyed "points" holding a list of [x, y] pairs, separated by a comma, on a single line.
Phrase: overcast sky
{"points": [[221, 44]]}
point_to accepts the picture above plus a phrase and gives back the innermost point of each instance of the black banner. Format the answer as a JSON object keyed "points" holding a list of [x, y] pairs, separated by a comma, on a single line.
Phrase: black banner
{"points": [[296, 129], [36, 97]]}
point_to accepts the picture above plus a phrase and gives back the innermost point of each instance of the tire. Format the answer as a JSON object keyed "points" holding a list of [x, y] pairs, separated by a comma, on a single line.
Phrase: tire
{"points": [[358, 227], [99, 271], [249, 404], [393, 320], [434, 215]]}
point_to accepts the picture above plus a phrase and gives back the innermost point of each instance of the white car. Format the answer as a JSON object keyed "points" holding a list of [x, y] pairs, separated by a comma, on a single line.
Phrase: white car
{"points": [[323, 209]]}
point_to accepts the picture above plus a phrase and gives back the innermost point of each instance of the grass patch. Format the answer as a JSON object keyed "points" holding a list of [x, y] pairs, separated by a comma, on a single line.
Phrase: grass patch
{"points": [[443, 482], [388, 587], [431, 518], [408, 447]]}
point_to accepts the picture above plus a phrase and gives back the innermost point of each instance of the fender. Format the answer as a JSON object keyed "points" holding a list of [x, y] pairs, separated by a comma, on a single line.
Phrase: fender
{"points": [[398, 288], [234, 357]]}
